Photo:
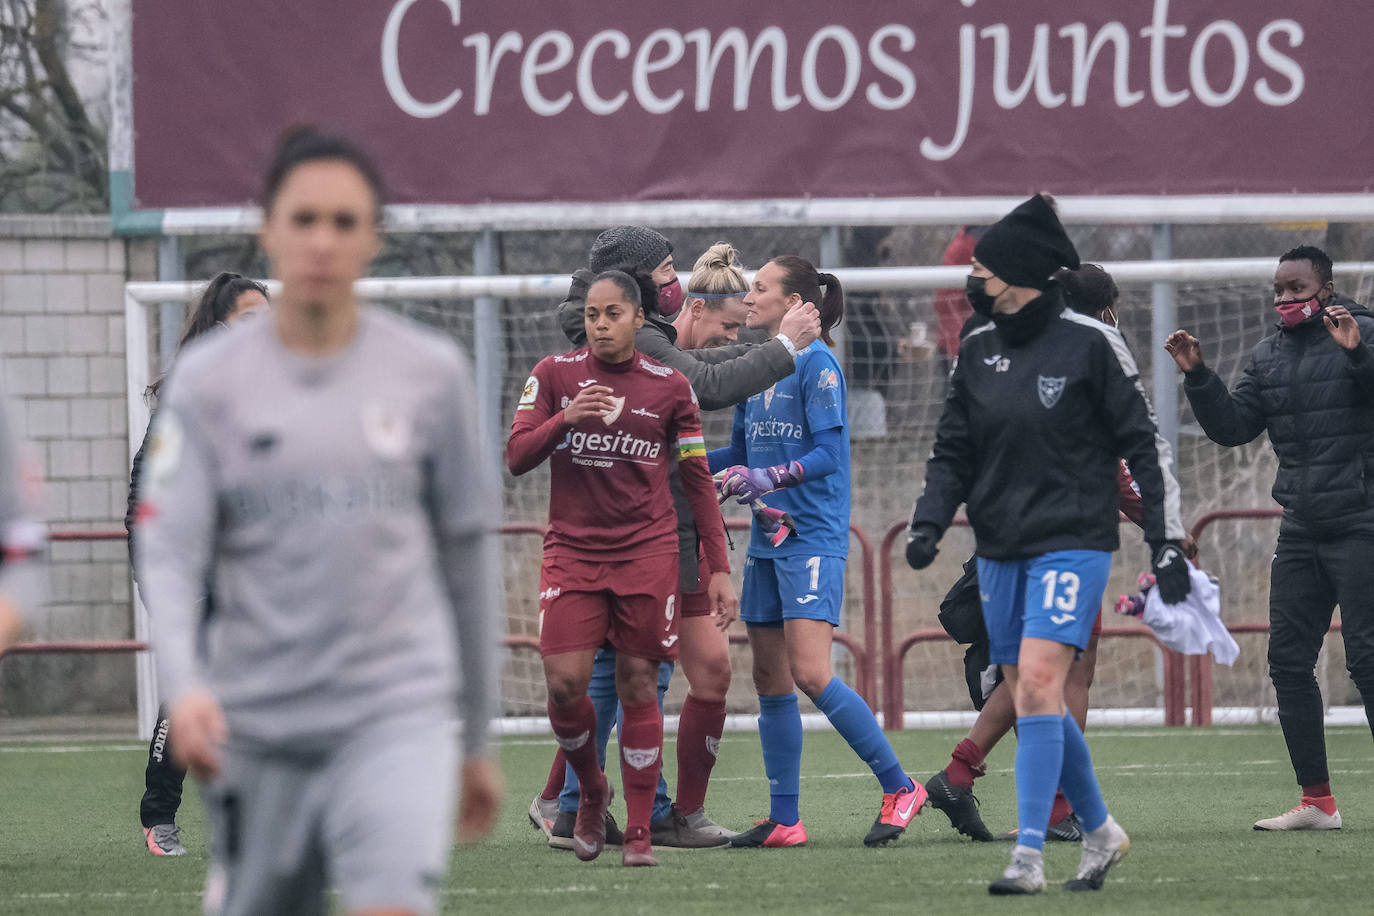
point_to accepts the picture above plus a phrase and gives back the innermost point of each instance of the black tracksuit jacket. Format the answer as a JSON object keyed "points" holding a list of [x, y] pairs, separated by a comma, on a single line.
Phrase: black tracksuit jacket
{"points": [[1030, 437], [1316, 401]]}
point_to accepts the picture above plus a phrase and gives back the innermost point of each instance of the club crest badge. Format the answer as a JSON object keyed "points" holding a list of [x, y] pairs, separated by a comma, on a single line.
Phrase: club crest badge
{"points": [[386, 428], [615, 411], [1050, 389]]}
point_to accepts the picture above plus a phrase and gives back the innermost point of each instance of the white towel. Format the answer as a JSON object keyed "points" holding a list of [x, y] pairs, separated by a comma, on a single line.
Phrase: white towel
{"points": [[1194, 625]]}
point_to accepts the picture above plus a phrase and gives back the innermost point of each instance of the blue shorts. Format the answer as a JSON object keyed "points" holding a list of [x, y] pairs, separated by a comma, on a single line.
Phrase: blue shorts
{"points": [[791, 588], [1054, 596]]}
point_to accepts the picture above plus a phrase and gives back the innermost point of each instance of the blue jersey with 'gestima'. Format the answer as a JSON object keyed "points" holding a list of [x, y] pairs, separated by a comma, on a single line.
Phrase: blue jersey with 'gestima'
{"points": [[776, 426]]}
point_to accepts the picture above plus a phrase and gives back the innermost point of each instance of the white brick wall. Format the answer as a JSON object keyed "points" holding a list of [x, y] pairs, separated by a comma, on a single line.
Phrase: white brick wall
{"points": [[62, 369]]}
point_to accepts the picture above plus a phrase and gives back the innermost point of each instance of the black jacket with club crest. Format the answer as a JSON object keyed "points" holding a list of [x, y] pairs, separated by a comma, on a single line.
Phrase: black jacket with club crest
{"points": [[1032, 428]]}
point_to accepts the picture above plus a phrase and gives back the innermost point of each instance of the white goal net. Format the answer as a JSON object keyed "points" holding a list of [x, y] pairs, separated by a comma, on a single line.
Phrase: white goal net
{"points": [[896, 378]]}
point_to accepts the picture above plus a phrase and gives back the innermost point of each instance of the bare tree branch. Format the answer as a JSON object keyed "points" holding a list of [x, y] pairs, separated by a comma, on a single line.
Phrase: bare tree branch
{"points": [[53, 153]]}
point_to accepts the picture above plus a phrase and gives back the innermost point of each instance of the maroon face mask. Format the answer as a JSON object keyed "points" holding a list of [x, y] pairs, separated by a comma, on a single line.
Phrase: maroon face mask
{"points": [[670, 297], [1293, 312]]}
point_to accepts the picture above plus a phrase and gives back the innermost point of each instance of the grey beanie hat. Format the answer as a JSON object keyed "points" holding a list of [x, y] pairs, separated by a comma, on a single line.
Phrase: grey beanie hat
{"points": [[633, 246]]}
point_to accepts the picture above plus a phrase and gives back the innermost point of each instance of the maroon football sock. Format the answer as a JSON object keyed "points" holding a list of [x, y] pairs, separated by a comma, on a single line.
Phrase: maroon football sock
{"points": [[558, 774], [698, 740], [641, 758], [574, 726], [965, 764], [1061, 809]]}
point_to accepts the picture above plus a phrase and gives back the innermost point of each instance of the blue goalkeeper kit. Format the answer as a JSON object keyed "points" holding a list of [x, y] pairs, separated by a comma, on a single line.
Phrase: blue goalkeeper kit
{"points": [[800, 418]]}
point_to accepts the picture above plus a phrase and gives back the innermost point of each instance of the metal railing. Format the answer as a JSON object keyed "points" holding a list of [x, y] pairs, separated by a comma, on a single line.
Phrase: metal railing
{"points": [[1187, 680]]}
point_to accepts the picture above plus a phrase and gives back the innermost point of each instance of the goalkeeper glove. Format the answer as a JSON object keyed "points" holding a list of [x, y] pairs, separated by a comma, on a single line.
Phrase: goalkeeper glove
{"points": [[748, 484]]}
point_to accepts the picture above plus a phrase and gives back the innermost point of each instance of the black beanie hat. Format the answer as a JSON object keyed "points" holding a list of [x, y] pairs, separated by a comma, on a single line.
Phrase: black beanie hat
{"points": [[1027, 245], [628, 246]]}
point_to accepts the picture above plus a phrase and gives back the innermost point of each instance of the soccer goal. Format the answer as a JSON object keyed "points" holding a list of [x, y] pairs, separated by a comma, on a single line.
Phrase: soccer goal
{"points": [[896, 377]]}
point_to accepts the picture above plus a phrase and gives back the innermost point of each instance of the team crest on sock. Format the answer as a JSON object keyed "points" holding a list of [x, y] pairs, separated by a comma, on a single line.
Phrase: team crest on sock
{"points": [[572, 744], [639, 758], [713, 746]]}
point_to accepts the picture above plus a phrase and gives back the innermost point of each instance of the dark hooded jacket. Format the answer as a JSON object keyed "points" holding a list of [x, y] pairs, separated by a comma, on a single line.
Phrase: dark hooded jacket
{"points": [[1316, 401], [720, 376]]}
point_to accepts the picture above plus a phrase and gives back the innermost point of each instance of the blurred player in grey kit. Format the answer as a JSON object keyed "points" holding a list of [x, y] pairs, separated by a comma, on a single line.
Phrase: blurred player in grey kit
{"points": [[22, 537], [324, 471]]}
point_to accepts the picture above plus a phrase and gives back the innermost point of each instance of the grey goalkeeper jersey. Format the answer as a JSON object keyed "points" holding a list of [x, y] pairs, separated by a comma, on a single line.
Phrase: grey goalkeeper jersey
{"points": [[342, 512]]}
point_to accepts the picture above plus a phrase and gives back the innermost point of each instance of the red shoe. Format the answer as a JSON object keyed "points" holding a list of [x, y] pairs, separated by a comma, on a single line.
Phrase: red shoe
{"points": [[898, 810], [589, 832], [769, 834], [636, 850]]}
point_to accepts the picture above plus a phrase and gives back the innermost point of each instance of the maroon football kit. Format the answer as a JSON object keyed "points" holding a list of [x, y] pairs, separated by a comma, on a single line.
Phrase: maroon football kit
{"points": [[610, 567]]}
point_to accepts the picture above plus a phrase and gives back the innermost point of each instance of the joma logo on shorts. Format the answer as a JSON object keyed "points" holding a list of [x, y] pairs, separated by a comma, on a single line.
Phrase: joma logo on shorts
{"points": [[550, 593]]}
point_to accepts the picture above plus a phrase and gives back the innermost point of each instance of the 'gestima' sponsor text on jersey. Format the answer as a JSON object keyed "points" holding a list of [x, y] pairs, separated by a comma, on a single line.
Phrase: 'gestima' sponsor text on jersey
{"points": [[776, 427]]}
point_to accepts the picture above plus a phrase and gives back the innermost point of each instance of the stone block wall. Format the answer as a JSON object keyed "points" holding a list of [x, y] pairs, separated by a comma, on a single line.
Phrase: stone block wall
{"points": [[62, 371]]}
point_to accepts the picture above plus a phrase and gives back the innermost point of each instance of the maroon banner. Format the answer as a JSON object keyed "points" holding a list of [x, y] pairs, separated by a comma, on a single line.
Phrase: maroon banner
{"points": [[478, 101]]}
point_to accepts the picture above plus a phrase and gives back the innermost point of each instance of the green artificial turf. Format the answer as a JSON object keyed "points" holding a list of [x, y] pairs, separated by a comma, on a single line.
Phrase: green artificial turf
{"points": [[70, 841]]}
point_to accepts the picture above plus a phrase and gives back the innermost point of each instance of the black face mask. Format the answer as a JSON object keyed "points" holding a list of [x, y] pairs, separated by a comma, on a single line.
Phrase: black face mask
{"points": [[975, 288]]}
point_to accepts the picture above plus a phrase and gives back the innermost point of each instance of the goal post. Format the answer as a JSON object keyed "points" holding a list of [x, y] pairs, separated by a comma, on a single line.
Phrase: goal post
{"points": [[898, 381]]}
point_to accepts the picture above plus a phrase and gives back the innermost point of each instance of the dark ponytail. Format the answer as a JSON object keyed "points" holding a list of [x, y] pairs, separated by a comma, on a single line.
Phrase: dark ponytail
{"points": [[801, 277], [213, 308], [216, 303]]}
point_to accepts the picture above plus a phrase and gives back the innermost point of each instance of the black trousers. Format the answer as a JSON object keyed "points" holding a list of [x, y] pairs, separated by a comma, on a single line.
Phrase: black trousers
{"points": [[162, 779], [1308, 578]]}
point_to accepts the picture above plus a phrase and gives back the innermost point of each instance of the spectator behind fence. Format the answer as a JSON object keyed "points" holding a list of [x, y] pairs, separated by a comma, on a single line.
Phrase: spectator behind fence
{"points": [[1310, 385], [951, 306]]}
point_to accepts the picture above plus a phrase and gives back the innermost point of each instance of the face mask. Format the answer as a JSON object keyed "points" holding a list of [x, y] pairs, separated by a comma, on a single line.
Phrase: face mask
{"points": [[670, 297], [1295, 311], [975, 288]]}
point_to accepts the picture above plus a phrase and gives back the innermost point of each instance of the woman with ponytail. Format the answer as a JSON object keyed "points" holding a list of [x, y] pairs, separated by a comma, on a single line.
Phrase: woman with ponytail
{"points": [[792, 442], [714, 309], [227, 299]]}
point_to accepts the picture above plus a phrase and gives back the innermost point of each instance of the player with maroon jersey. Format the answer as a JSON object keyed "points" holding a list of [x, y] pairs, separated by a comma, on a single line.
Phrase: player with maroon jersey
{"points": [[608, 419]]}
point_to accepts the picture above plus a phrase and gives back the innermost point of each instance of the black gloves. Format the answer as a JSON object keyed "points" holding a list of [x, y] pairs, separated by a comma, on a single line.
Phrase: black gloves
{"points": [[1171, 571], [920, 545]]}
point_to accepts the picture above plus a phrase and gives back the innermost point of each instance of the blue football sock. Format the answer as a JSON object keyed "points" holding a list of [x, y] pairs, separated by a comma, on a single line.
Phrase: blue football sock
{"points": [[1078, 780], [780, 734], [855, 722], [1039, 760]]}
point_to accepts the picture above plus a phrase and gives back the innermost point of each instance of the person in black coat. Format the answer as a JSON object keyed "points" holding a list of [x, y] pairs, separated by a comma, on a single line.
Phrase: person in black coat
{"points": [[1310, 385], [1042, 404]]}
